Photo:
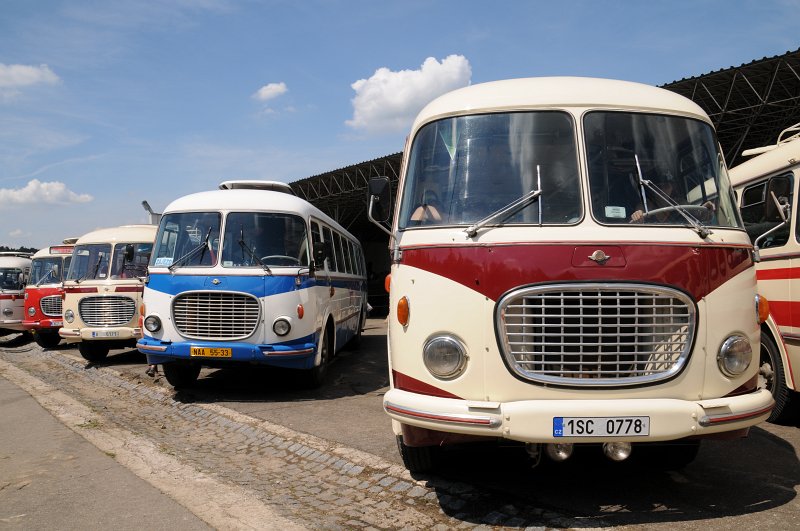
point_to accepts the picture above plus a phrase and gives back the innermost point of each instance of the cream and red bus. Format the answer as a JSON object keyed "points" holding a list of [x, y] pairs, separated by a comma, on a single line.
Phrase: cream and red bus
{"points": [[569, 269], [766, 187], [14, 270], [43, 294], [103, 289]]}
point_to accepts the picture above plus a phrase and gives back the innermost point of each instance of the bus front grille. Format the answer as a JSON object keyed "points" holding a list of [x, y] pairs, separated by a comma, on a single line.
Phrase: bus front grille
{"points": [[111, 310], [596, 335], [51, 305], [216, 315]]}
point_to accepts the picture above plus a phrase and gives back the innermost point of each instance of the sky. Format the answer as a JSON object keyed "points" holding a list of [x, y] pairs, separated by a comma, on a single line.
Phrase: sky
{"points": [[104, 104]]}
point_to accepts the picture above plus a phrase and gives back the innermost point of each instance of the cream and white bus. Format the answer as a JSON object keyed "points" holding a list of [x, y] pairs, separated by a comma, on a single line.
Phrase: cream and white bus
{"points": [[14, 270], [103, 289], [766, 186], [568, 268], [251, 275]]}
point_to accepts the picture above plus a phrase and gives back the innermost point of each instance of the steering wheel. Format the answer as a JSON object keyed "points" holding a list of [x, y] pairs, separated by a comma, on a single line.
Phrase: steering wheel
{"points": [[698, 211], [280, 257]]}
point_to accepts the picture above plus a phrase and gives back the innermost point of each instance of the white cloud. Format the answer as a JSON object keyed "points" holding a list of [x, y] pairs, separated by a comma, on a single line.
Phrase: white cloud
{"points": [[270, 91], [16, 233], [15, 76], [389, 101], [37, 192]]}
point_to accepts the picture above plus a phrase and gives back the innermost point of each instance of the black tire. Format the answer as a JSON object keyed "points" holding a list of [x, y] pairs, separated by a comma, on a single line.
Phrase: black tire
{"points": [[417, 458], [669, 456], [92, 351], [180, 374], [771, 377], [47, 339], [315, 376]]}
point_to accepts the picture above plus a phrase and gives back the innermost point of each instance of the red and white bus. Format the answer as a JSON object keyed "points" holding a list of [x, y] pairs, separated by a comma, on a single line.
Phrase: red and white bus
{"points": [[43, 294], [766, 186], [569, 268]]}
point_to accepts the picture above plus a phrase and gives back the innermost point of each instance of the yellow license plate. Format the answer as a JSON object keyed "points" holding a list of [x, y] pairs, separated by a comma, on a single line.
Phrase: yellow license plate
{"points": [[210, 352]]}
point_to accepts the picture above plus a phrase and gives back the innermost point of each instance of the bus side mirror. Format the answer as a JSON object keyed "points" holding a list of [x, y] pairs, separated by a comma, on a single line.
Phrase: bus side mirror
{"points": [[379, 199], [129, 250], [783, 209], [320, 254]]}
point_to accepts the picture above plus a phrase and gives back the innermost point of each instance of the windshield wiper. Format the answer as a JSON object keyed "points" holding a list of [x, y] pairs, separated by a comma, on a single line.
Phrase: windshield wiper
{"points": [[252, 253], [698, 226], [511, 208], [45, 277], [202, 246], [94, 271]]}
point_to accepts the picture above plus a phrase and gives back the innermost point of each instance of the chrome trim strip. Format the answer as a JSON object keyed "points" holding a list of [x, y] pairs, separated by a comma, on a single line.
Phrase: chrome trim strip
{"points": [[287, 352], [715, 420], [154, 348], [455, 418]]}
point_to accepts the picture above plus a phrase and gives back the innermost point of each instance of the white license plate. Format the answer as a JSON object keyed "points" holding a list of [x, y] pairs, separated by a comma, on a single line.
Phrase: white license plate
{"points": [[57, 323], [601, 426], [105, 333]]}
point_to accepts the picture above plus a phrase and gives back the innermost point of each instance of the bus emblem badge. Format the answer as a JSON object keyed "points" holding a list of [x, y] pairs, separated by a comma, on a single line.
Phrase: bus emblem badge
{"points": [[599, 256], [216, 281]]}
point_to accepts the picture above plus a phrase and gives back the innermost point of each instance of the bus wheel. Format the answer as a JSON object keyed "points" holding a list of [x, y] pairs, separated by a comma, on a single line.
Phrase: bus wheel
{"points": [[316, 375], [770, 377], [180, 374], [92, 351], [416, 458], [47, 339]]}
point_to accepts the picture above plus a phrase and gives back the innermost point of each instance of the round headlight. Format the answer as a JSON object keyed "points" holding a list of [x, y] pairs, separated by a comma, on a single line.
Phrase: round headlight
{"points": [[69, 316], [152, 323], [31, 311], [8, 312], [281, 326], [444, 357], [734, 356]]}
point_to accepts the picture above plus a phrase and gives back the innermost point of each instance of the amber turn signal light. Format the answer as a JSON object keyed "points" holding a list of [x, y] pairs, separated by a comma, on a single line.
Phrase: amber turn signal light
{"points": [[403, 311]]}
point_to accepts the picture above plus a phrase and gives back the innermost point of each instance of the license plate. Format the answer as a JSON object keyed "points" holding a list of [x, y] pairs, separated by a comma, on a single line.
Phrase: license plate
{"points": [[105, 333], [57, 323], [211, 352], [601, 426]]}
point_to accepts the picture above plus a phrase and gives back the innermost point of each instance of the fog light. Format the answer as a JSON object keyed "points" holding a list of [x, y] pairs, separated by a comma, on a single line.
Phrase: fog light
{"points": [[444, 357], [31, 311], [152, 323], [281, 326], [69, 316], [559, 451], [734, 356], [7, 312], [617, 451]]}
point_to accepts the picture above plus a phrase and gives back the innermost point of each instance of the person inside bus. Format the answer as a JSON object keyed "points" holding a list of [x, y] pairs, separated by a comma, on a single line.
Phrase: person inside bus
{"points": [[665, 182], [427, 212]]}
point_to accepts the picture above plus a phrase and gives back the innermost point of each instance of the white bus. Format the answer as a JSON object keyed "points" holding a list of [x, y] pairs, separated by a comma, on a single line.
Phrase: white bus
{"points": [[767, 190], [14, 270], [569, 267], [103, 289], [251, 274]]}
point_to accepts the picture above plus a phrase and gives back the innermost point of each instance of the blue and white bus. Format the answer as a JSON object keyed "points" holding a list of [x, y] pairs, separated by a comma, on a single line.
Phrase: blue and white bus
{"points": [[251, 274]]}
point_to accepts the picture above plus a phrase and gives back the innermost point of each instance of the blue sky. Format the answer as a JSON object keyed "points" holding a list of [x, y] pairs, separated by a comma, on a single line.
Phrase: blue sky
{"points": [[106, 103]]}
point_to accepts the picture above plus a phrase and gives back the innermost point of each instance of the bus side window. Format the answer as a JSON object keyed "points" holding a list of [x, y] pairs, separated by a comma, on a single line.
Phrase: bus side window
{"points": [[760, 213], [331, 260]]}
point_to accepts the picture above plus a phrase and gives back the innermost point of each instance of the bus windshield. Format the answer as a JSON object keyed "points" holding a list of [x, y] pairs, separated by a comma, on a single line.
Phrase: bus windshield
{"points": [[187, 239], [89, 262], [10, 278], [463, 169], [130, 266], [46, 271], [264, 239], [656, 169]]}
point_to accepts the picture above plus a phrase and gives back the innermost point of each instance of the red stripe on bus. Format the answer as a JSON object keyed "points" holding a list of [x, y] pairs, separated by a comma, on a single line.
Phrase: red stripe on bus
{"points": [[407, 383], [784, 273], [495, 269]]}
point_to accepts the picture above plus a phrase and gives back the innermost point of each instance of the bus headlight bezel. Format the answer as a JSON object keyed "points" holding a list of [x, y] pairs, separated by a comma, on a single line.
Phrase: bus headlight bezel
{"points": [[734, 356], [152, 323], [445, 357], [282, 326], [69, 316], [31, 311]]}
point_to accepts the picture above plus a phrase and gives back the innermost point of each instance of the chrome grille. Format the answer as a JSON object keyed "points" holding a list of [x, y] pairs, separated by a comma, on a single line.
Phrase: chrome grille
{"points": [[596, 334], [111, 310], [216, 315], [51, 305]]}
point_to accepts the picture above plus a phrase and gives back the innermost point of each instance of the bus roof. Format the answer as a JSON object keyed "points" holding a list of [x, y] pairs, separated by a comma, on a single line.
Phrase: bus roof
{"points": [[13, 259], [781, 157], [249, 200], [557, 92], [54, 250], [124, 234]]}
